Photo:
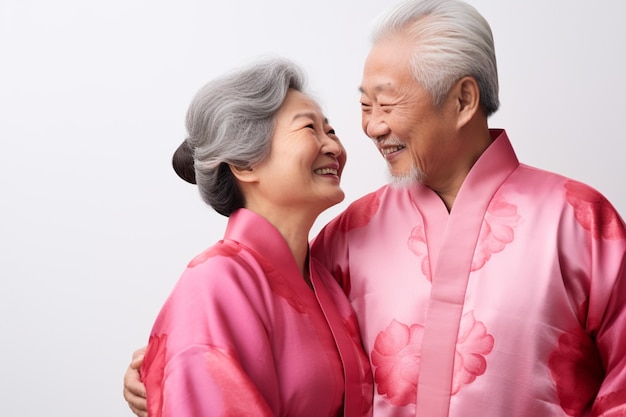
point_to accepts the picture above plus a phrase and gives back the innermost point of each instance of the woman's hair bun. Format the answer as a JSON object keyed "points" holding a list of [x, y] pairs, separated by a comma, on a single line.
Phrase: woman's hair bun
{"points": [[182, 161]]}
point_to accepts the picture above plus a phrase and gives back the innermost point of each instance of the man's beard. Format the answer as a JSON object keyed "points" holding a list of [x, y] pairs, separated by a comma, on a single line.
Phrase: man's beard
{"points": [[408, 179]]}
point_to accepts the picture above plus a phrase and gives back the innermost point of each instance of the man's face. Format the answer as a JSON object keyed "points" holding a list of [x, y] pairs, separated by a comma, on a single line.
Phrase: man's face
{"points": [[411, 134]]}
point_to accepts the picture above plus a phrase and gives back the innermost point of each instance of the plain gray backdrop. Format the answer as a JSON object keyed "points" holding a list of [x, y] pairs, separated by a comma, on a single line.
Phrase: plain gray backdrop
{"points": [[95, 225]]}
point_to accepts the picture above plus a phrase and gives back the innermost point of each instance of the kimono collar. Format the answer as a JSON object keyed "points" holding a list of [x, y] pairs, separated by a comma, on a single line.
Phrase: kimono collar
{"points": [[493, 167], [258, 234]]}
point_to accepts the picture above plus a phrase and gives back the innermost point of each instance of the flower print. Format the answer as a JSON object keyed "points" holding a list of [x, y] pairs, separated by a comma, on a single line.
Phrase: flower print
{"points": [[152, 371], [577, 371], [281, 286], [358, 214], [221, 248], [396, 359], [240, 396], [496, 232], [397, 353], [473, 344], [417, 245], [593, 211], [610, 405]]}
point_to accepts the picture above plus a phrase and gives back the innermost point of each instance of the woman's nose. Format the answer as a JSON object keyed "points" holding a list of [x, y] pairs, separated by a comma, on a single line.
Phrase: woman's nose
{"points": [[332, 147]]}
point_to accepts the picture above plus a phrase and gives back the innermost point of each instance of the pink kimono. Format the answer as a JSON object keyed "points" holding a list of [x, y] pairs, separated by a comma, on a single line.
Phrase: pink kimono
{"points": [[512, 305], [243, 335]]}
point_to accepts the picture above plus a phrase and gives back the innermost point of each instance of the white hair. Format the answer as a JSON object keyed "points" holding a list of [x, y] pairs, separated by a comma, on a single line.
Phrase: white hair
{"points": [[451, 40], [230, 122]]}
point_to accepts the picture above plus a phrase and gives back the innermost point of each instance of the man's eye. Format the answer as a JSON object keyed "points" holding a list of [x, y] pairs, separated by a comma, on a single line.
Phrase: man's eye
{"points": [[331, 132], [310, 126]]}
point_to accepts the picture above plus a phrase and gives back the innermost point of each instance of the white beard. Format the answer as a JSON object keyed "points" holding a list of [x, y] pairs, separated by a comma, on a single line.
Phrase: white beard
{"points": [[413, 177]]}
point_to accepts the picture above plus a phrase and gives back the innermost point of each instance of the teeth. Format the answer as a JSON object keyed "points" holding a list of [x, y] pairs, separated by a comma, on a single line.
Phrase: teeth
{"points": [[326, 171], [387, 151]]}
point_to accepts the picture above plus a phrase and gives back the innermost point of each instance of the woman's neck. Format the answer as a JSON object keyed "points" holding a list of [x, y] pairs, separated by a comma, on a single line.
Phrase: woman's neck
{"points": [[294, 226], [297, 238]]}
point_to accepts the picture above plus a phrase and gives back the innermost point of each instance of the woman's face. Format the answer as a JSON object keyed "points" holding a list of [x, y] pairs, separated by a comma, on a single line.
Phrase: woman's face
{"points": [[306, 159]]}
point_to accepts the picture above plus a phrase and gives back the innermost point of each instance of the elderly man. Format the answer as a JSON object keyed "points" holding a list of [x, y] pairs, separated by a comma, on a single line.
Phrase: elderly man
{"points": [[482, 286]]}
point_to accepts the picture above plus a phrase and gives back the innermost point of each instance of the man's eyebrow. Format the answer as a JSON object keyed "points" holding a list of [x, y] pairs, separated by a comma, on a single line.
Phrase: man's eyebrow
{"points": [[377, 88]]}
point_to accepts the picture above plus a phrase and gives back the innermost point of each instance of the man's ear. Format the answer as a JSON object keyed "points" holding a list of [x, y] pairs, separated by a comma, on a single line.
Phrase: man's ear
{"points": [[248, 174], [467, 99]]}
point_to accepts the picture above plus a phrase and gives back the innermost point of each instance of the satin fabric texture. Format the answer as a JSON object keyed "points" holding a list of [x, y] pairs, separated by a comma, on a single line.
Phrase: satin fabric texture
{"points": [[512, 304], [243, 334]]}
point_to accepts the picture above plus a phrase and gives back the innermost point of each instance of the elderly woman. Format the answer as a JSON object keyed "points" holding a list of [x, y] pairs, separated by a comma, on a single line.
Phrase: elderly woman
{"points": [[254, 326]]}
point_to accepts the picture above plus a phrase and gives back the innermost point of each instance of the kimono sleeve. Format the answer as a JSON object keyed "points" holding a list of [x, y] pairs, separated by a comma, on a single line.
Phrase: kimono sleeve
{"points": [[209, 347], [611, 343], [598, 261]]}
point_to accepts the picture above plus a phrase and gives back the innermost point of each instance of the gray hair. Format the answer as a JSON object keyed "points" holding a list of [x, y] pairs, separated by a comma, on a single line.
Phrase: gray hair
{"points": [[231, 121], [452, 40]]}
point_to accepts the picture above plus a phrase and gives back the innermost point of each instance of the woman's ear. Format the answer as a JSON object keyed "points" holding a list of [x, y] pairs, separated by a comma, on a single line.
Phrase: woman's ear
{"points": [[244, 174], [468, 99]]}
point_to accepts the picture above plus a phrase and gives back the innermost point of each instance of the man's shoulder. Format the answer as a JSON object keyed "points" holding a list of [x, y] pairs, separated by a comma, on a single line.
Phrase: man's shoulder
{"points": [[540, 178], [359, 213], [367, 204], [367, 198]]}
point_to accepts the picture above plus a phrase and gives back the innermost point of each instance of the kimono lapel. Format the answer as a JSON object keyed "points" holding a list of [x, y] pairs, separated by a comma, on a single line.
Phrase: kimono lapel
{"points": [[353, 396], [263, 238], [260, 236], [451, 247]]}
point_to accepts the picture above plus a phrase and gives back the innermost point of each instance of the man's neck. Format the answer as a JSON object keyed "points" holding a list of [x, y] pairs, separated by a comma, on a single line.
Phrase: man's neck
{"points": [[477, 140]]}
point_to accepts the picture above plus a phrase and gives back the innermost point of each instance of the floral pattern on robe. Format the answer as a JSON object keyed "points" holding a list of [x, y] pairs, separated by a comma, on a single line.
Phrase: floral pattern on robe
{"points": [[536, 259]]}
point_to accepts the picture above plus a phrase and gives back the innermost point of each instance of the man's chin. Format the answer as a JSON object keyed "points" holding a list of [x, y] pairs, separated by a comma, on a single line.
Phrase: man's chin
{"points": [[406, 179]]}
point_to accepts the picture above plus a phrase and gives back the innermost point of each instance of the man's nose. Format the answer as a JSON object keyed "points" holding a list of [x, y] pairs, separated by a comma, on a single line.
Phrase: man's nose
{"points": [[374, 124]]}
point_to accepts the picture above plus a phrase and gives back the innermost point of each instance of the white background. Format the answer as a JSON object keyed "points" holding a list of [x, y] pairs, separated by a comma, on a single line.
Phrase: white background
{"points": [[95, 227]]}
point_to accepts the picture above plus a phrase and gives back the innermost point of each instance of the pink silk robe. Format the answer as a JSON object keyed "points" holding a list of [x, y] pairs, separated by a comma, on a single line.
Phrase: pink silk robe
{"points": [[512, 305], [243, 335]]}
